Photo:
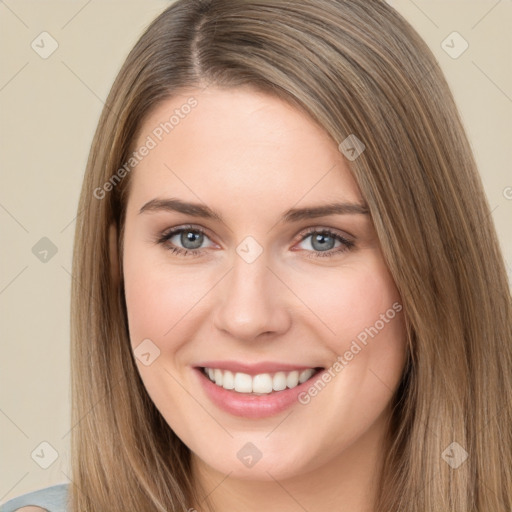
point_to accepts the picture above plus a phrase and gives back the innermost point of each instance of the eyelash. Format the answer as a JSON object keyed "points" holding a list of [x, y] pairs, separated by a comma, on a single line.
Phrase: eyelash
{"points": [[346, 244]]}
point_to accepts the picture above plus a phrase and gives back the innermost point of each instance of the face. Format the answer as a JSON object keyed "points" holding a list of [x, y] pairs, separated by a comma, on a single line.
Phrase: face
{"points": [[234, 262]]}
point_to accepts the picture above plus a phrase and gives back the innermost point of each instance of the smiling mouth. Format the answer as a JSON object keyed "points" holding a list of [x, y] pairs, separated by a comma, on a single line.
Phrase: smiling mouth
{"points": [[260, 384]]}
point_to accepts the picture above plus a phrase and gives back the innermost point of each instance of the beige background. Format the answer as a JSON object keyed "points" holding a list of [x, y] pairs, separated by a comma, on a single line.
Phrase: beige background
{"points": [[49, 110]]}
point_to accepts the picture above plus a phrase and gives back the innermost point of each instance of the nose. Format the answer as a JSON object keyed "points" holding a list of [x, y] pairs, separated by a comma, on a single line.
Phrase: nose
{"points": [[251, 302]]}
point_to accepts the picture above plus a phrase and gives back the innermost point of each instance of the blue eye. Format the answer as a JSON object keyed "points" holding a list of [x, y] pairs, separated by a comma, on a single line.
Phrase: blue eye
{"points": [[191, 239], [323, 243], [188, 241]]}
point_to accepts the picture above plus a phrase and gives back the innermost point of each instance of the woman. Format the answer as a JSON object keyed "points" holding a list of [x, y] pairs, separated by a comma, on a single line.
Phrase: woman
{"points": [[288, 290]]}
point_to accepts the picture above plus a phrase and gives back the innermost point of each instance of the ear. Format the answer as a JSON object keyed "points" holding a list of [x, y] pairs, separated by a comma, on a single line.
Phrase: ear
{"points": [[113, 253]]}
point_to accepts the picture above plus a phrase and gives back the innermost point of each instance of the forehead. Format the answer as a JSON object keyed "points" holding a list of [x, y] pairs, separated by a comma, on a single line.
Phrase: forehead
{"points": [[219, 143]]}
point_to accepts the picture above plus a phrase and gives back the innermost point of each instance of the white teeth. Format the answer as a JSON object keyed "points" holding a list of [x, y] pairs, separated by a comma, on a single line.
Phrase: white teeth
{"points": [[228, 380], [305, 375], [292, 379], [279, 381], [243, 383], [262, 383]]}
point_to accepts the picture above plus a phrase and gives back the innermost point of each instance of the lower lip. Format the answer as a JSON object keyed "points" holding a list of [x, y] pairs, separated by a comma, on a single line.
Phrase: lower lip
{"points": [[252, 406]]}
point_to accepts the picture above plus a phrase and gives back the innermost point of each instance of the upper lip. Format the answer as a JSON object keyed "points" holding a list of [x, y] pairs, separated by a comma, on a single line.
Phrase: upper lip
{"points": [[254, 368]]}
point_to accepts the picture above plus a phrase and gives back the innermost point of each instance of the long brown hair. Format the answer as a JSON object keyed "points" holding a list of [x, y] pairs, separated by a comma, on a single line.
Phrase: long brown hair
{"points": [[356, 67]]}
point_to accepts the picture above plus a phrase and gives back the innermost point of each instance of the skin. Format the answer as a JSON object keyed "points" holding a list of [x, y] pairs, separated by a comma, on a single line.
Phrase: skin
{"points": [[251, 157]]}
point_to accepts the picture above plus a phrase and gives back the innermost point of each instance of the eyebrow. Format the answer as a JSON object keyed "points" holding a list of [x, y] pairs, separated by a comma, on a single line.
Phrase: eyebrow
{"points": [[291, 215]]}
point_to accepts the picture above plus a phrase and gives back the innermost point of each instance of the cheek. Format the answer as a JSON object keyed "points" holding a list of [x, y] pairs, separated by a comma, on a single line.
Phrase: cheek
{"points": [[158, 296], [348, 301], [362, 309], [358, 309], [160, 302], [157, 299]]}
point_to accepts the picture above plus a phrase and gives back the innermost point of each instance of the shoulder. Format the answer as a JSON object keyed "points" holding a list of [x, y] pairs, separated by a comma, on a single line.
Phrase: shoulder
{"points": [[31, 508], [48, 499]]}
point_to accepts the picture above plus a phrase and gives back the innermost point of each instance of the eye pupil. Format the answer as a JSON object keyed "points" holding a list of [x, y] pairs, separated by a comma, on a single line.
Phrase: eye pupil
{"points": [[326, 242], [191, 237]]}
